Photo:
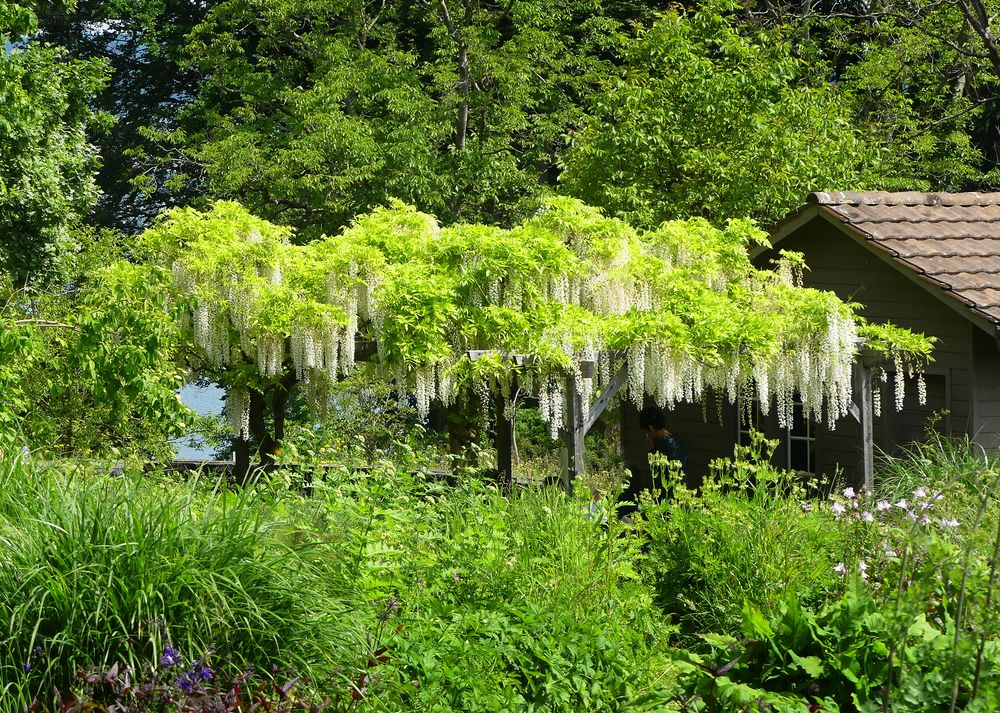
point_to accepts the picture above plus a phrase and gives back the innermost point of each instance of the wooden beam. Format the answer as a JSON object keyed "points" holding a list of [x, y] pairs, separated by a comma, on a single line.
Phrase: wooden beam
{"points": [[610, 391], [573, 436], [863, 386]]}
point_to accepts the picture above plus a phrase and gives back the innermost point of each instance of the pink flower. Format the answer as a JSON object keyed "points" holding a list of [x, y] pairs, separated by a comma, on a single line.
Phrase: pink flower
{"points": [[868, 517], [949, 522], [883, 505], [902, 505], [920, 492], [840, 568], [848, 492], [837, 509], [863, 569]]}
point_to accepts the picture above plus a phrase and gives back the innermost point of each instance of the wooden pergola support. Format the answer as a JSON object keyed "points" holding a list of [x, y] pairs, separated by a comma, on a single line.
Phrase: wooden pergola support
{"points": [[578, 424], [863, 413]]}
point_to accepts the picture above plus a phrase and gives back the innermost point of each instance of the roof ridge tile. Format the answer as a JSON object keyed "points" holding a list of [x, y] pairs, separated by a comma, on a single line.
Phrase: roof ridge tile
{"points": [[908, 198]]}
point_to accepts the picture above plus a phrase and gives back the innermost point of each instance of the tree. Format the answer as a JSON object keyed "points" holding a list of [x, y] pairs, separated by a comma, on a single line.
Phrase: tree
{"points": [[46, 164], [683, 302], [141, 44], [711, 120], [311, 113], [91, 371]]}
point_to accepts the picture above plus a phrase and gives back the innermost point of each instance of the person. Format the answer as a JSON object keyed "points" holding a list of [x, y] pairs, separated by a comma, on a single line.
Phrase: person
{"points": [[659, 439]]}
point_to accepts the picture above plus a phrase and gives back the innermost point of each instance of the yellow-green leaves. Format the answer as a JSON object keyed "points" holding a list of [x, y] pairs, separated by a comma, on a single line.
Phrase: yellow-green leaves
{"points": [[683, 302]]}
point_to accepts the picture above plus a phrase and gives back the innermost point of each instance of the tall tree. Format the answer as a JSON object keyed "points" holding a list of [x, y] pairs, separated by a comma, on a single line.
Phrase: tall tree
{"points": [[714, 121], [47, 165], [922, 78], [315, 111], [141, 42]]}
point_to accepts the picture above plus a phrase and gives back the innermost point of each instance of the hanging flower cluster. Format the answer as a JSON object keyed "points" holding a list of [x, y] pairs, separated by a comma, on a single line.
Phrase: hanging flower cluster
{"points": [[682, 304]]}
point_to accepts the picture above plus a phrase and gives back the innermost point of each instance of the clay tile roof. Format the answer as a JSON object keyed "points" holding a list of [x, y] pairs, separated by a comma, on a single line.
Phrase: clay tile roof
{"points": [[950, 239]]}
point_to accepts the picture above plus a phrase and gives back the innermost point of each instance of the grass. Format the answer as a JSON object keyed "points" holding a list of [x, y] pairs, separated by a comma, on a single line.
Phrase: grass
{"points": [[101, 569], [392, 591]]}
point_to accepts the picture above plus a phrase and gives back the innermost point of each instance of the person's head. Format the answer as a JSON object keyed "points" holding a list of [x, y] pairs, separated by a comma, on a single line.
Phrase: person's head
{"points": [[652, 420]]}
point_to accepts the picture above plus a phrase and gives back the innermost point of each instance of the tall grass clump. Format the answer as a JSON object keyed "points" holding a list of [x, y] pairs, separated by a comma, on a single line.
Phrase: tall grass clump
{"points": [[101, 569]]}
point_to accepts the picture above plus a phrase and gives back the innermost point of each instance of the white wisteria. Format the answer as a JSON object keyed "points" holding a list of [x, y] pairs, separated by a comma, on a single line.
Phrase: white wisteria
{"points": [[682, 304]]}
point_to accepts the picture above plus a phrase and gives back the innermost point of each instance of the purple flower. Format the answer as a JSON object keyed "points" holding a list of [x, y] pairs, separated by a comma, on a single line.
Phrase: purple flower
{"points": [[27, 667], [170, 657], [457, 577]]}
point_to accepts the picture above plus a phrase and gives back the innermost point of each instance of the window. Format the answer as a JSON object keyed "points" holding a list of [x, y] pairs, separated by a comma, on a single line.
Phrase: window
{"points": [[797, 450], [800, 441]]}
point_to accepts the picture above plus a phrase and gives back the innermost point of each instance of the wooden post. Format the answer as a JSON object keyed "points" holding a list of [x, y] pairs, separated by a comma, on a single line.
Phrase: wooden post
{"points": [[504, 443], [574, 434], [865, 416]]}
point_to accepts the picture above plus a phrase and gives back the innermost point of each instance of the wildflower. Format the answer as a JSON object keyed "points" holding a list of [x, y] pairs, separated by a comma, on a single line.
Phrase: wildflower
{"points": [[924, 520], [837, 509], [949, 522], [840, 568], [902, 505], [27, 667], [883, 505], [170, 657], [863, 569], [848, 492], [806, 507], [457, 577], [920, 493], [868, 517]]}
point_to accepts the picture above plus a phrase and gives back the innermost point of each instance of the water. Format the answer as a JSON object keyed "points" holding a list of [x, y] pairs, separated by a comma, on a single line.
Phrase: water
{"points": [[206, 400]]}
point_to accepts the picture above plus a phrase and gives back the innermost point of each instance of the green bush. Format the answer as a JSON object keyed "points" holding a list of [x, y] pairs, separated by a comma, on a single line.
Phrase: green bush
{"points": [[752, 534]]}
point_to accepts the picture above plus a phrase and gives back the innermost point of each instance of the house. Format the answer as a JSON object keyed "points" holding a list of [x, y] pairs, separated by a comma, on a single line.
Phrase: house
{"points": [[926, 261]]}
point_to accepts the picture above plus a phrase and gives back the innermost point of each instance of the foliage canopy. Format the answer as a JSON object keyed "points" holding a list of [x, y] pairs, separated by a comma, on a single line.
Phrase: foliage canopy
{"points": [[683, 302]]}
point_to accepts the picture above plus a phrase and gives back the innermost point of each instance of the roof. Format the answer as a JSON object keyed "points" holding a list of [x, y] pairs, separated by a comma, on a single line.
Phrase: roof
{"points": [[951, 240]]}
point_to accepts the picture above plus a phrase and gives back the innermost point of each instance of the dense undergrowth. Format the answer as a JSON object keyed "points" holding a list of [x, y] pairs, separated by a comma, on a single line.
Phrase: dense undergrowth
{"points": [[389, 591]]}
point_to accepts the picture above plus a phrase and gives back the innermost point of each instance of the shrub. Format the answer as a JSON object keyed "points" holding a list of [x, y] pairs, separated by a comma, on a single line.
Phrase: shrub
{"points": [[752, 534]]}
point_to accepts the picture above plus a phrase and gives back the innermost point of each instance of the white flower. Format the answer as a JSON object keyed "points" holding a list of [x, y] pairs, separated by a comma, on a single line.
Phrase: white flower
{"points": [[949, 522], [883, 505], [848, 492], [920, 492], [902, 505], [868, 517], [863, 569], [806, 507], [838, 509], [840, 568], [924, 520]]}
